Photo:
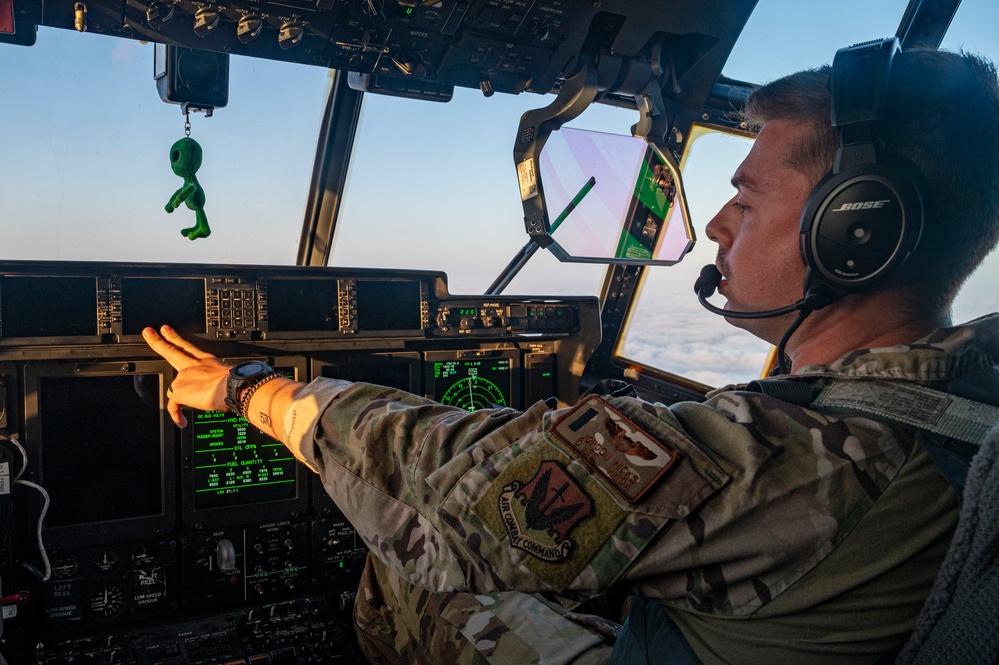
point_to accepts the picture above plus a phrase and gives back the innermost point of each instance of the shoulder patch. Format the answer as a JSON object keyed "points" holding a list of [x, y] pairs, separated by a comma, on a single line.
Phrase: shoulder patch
{"points": [[538, 515], [629, 459], [555, 514]]}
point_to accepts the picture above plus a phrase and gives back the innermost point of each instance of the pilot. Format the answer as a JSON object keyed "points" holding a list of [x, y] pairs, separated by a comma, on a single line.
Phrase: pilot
{"points": [[746, 528]]}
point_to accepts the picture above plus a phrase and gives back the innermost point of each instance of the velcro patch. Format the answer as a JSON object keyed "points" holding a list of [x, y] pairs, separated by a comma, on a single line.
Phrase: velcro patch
{"points": [[538, 515], [570, 521], [620, 451]]}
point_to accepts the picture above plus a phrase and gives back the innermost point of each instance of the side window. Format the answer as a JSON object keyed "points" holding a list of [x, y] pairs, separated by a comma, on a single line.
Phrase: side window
{"points": [[667, 328]]}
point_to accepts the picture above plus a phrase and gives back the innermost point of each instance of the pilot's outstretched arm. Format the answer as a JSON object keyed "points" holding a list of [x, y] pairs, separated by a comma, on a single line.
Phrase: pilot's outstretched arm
{"points": [[715, 507]]}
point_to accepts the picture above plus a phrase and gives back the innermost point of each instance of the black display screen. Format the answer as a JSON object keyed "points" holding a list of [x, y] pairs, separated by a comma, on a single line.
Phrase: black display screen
{"points": [[472, 383], [153, 301], [302, 304], [48, 306], [102, 447], [236, 464], [386, 305], [387, 373]]}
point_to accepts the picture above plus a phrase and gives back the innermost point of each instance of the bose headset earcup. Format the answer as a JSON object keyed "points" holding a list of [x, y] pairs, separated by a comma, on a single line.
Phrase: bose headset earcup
{"points": [[863, 219]]}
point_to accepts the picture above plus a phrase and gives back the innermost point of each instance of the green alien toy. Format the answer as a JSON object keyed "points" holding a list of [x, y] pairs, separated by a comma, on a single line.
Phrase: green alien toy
{"points": [[185, 160]]}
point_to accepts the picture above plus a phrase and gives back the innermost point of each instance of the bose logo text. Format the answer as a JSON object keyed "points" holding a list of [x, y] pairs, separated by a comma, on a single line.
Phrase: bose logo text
{"points": [[862, 205]]}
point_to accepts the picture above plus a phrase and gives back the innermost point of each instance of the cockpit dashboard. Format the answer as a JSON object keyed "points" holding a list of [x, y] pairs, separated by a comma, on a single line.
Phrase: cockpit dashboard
{"points": [[168, 545]]}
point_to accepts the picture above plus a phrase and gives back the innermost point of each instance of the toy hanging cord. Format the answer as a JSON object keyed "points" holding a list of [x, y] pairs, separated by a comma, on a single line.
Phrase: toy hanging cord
{"points": [[185, 160]]}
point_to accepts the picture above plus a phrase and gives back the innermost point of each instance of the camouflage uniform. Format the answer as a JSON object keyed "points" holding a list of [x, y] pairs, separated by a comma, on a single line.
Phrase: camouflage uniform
{"points": [[769, 532]]}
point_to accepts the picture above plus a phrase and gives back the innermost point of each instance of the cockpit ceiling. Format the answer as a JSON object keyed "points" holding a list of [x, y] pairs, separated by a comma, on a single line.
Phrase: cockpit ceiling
{"points": [[497, 45]]}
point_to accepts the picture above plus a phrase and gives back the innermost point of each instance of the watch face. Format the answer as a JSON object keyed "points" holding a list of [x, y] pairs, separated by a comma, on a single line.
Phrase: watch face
{"points": [[249, 369]]}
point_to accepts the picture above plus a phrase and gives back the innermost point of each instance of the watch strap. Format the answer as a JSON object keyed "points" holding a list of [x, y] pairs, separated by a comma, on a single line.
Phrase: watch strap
{"points": [[244, 400]]}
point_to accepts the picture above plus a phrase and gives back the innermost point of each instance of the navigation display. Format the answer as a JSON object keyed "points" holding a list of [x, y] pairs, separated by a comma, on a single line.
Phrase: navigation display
{"points": [[472, 383]]}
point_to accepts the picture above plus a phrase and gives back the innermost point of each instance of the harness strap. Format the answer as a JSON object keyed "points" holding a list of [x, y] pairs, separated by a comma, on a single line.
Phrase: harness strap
{"points": [[917, 406], [948, 427]]}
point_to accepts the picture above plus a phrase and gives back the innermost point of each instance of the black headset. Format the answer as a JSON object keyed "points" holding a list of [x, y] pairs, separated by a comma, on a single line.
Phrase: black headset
{"points": [[863, 219]]}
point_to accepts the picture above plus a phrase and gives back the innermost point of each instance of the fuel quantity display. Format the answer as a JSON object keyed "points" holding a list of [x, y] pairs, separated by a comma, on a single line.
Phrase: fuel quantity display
{"points": [[237, 464], [472, 384]]}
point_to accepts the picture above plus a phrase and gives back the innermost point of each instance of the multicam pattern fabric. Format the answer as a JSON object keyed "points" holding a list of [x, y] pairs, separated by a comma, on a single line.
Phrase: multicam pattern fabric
{"points": [[403, 624], [761, 491]]}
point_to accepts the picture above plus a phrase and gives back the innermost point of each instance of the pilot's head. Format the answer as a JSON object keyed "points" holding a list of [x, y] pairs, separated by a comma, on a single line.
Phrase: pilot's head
{"points": [[940, 123]]}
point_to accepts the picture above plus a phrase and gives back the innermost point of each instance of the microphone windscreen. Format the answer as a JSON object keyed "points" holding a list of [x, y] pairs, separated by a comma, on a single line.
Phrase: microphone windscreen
{"points": [[708, 281]]}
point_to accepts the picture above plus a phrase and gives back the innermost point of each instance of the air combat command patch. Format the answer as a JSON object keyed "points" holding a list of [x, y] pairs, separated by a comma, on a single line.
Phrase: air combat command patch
{"points": [[629, 459], [553, 518], [540, 514]]}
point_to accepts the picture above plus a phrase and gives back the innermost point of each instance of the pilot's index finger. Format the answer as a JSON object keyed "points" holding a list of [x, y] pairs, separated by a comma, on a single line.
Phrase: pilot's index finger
{"points": [[176, 356], [174, 338]]}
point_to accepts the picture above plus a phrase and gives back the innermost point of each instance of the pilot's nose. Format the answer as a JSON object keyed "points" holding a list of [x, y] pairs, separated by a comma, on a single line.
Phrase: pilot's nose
{"points": [[719, 228]]}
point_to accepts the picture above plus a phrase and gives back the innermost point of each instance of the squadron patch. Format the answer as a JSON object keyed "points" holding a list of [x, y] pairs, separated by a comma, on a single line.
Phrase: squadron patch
{"points": [[539, 515], [620, 451], [572, 513]]}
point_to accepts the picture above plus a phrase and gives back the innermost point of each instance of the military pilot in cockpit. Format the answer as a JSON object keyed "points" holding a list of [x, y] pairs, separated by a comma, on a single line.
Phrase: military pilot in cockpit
{"points": [[746, 528]]}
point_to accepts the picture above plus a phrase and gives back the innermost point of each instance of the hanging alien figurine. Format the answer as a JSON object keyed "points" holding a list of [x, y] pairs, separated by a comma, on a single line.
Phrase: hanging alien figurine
{"points": [[185, 160]]}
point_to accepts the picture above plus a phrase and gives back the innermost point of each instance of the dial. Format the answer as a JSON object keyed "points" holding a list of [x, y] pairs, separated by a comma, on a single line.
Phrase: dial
{"points": [[107, 602], [473, 393], [65, 568], [106, 560]]}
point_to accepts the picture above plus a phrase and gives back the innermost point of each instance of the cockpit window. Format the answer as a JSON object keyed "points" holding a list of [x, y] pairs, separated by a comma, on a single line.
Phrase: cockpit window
{"points": [[434, 186], [700, 346], [85, 169], [668, 329], [783, 36]]}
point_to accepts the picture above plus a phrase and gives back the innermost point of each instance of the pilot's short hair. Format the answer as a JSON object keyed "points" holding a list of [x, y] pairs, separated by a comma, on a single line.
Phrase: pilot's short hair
{"points": [[941, 122]]}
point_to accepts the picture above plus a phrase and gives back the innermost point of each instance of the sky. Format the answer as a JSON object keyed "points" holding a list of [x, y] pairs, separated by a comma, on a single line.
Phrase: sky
{"points": [[84, 172]]}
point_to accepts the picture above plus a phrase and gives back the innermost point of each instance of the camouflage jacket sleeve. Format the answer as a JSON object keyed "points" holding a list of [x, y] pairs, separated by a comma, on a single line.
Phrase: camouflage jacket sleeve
{"points": [[715, 507]]}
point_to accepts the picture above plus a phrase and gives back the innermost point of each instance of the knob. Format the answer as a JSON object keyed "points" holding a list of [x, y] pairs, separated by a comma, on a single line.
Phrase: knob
{"points": [[225, 555], [159, 14], [540, 32], [290, 34], [249, 28], [206, 19], [80, 17]]}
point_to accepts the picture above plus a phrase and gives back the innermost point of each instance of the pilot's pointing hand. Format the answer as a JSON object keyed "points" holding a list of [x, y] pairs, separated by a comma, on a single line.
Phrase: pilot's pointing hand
{"points": [[201, 377]]}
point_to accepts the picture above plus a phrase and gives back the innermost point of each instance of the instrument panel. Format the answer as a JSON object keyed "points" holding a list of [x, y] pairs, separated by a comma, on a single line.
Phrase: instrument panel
{"points": [[112, 303], [154, 531]]}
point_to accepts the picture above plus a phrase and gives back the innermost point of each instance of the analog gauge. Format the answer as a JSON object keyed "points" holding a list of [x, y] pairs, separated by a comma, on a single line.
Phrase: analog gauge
{"points": [[64, 569], [106, 560], [473, 393], [107, 602]]}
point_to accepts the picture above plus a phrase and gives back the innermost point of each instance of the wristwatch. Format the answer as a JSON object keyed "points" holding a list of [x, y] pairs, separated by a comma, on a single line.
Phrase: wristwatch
{"points": [[245, 375]]}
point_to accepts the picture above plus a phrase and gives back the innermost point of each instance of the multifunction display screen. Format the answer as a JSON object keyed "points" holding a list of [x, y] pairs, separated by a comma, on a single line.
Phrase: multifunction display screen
{"points": [[295, 305], [236, 464], [388, 305], [101, 447], [153, 301], [48, 306], [472, 383]]}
